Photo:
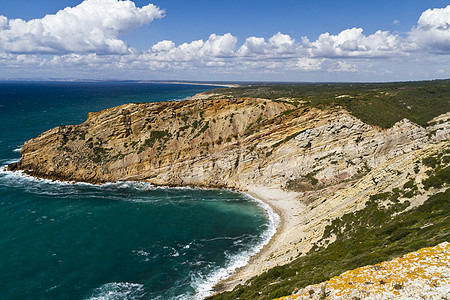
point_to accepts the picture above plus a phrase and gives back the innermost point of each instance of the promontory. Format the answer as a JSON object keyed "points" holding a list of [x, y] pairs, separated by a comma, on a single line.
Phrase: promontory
{"points": [[331, 159]]}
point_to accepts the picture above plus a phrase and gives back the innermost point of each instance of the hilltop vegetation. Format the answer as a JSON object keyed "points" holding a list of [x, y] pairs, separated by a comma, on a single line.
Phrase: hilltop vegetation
{"points": [[353, 182], [382, 230], [379, 104], [387, 226]]}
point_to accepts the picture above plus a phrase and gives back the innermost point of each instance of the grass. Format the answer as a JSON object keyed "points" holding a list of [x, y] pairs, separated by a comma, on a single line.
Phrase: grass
{"points": [[377, 233], [380, 104], [155, 136]]}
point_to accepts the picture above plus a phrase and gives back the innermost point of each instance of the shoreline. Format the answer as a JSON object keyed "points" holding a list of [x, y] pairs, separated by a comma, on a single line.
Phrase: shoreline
{"points": [[192, 83], [282, 247], [278, 250]]}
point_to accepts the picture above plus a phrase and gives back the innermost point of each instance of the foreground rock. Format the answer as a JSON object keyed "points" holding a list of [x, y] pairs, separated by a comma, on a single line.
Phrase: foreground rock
{"points": [[424, 274]]}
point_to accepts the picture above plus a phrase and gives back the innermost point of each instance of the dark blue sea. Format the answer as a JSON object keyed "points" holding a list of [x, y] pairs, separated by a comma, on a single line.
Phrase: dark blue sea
{"points": [[125, 240]]}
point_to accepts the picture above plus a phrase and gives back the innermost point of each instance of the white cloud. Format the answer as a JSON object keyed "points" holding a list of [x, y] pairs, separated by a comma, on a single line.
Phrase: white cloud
{"points": [[353, 43], [87, 37], [8, 60], [217, 46], [342, 66], [309, 64], [395, 22], [433, 30], [92, 26], [278, 45], [163, 46]]}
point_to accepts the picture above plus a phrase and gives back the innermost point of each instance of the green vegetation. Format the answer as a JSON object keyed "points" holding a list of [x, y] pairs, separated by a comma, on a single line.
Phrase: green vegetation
{"points": [[303, 184], [183, 128], [99, 150], [379, 232], [381, 104], [440, 170], [287, 139], [155, 136], [369, 236], [203, 129]]}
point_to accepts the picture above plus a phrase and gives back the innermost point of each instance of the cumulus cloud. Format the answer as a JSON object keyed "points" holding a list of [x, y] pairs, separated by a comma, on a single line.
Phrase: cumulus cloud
{"points": [[163, 46], [309, 64], [353, 43], [433, 30], [92, 26], [278, 45], [216, 47], [88, 37], [342, 66]]}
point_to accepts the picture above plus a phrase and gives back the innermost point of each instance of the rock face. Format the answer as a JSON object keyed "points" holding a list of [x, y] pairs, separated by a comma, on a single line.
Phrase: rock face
{"points": [[222, 143], [327, 161], [424, 274]]}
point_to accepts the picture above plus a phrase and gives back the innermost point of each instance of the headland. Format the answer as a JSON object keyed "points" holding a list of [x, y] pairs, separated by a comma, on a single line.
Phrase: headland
{"points": [[311, 162]]}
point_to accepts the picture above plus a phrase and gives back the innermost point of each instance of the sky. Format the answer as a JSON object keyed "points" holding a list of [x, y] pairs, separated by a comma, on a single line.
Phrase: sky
{"points": [[217, 40]]}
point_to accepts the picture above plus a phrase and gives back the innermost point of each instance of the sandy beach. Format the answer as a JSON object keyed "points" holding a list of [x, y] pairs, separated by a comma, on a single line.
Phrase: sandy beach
{"points": [[284, 245]]}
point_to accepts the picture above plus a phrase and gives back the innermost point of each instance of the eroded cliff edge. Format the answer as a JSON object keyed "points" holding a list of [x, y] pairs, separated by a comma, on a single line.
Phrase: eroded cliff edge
{"points": [[321, 163], [222, 143]]}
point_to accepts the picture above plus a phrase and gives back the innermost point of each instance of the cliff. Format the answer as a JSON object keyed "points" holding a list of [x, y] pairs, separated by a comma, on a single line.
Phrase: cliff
{"points": [[221, 143], [313, 166]]}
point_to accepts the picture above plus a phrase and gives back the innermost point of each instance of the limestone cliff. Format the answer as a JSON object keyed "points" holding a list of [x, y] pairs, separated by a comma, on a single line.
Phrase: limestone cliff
{"points": [[327, 161], [222, 143]]}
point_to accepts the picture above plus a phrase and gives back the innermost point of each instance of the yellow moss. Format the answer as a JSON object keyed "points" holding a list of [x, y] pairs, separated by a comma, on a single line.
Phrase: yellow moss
{"points": [[430, 266]]}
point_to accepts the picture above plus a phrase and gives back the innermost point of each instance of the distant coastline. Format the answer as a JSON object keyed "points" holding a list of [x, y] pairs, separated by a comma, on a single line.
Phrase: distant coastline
{"points": [[228, 85]]}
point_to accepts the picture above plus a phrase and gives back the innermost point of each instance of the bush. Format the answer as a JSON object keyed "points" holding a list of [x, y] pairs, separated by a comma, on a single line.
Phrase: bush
{"points": [[376, 235]]}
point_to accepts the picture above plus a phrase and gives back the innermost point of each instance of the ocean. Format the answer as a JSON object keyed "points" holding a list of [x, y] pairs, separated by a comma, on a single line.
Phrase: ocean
{"points": [[124, 240]]}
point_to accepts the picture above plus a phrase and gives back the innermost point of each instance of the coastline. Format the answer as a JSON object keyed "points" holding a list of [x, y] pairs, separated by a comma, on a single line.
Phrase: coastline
{"points": [[281, 248], [192, 83], [276, 251]]}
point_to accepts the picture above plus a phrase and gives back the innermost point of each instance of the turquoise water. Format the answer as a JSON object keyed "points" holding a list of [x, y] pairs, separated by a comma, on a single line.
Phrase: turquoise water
{"points": [[123, 240]]}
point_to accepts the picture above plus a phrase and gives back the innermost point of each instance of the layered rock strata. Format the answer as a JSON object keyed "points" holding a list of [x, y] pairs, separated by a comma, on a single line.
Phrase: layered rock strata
{"points": [[221, 143], [311, 165]]}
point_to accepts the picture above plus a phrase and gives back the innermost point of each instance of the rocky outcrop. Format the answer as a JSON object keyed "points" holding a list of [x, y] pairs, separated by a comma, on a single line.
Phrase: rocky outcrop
{"points": [[222, 143], [327, 161], [424, 274]]}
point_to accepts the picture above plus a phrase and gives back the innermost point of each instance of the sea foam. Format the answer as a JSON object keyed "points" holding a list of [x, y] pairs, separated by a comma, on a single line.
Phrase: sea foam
{"points": [[204, 285], [118, 291]]}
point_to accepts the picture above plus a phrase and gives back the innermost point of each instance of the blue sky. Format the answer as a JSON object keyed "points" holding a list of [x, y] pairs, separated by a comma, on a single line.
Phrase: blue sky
{"points": [[226, 40]]}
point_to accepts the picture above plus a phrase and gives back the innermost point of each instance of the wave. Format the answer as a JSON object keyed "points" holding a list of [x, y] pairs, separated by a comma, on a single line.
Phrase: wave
{"points": [[204, 285], [17, 149], [21, 177], [137, 185], [118, 291], [6, 162]]}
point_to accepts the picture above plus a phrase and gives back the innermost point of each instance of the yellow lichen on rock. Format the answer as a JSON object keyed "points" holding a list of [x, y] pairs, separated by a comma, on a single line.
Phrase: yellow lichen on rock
{"points": [[424, 274]]}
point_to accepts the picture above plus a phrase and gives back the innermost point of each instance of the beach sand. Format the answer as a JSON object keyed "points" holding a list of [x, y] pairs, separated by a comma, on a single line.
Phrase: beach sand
{"points": [[283, 246]]}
